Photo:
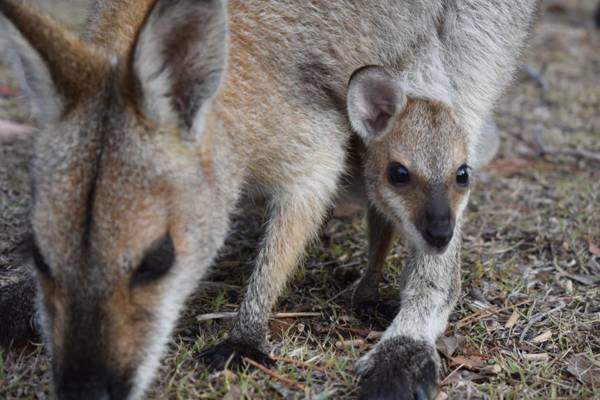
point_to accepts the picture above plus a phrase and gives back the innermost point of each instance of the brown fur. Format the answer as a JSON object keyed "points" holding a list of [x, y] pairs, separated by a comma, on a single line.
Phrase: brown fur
{"points": [[77, 70], [113, 25]]}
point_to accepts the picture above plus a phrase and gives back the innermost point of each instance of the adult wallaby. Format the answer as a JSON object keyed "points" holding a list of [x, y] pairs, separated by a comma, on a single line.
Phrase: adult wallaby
{"points": [[133, 179], [150, 134]]}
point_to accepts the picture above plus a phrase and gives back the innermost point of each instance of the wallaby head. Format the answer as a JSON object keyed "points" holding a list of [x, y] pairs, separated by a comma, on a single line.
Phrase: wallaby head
{"points": [[415, 158], [127, 211]]}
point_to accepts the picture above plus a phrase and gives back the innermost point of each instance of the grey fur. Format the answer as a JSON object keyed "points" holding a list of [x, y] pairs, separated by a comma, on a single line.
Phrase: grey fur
{"points": [[270, 129]]}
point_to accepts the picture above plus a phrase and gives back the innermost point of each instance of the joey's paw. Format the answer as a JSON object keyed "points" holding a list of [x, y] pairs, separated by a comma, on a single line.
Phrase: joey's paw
{"points": [[377, 311], [400, 369], [233, 354]]}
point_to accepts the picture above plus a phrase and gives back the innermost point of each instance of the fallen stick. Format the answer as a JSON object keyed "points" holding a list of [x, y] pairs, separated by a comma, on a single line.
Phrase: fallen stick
{"points": [[538, 318], [300, 363], [447, 378], [219, 285], [274, 375], [232, 314], [10, 131], [345, 344], [486, 313], [578, 153]]}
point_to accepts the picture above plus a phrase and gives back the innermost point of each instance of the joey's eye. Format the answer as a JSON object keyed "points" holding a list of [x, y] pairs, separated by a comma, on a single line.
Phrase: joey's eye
{"points": [[38, 260], [398, 174], [462, 175], [157, 261]]}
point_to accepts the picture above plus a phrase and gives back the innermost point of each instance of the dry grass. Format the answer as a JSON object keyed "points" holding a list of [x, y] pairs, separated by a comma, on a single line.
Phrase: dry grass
{"points": [[528, 322]]}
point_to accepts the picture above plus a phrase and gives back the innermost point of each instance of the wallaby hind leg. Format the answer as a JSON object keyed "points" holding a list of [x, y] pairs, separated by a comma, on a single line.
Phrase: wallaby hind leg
{"points": [[365, 298], [405, 364], [296, 214]]}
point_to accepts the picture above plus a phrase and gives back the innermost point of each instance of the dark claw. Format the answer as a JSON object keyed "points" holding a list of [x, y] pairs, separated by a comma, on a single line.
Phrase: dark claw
{"points": [[401, 369], [228, 353]]}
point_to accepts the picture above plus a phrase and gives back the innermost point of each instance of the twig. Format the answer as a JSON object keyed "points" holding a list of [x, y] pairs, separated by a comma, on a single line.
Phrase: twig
{"points": [[342, 292], [232, 314], [276, 376], [10, 131], [574, 153], [506, 250], [296, 314], [345, 344], [211, 316], [538, 318], [485, 313], [445, 381], [300, 363], [219, 285]]}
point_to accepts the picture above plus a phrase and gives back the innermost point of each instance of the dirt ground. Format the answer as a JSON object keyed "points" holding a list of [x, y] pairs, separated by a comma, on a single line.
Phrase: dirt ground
{"points": [[528, 321]]}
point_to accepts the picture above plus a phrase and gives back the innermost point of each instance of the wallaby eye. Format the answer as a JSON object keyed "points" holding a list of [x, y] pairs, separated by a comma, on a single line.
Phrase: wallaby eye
{"points": [[398, 174], [462, 175], [38, 260], [157, 261]]}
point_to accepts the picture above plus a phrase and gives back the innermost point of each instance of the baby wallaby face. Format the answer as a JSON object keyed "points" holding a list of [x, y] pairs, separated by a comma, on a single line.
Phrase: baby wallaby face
{"points": [[415, 158], [125, 183]]}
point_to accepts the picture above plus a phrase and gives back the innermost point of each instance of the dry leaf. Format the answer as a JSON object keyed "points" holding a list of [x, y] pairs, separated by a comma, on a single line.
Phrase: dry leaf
{"points": [[464, 376], [593, 248], [512, 320], [344, 344], [582, 368], [509, 166], [8, 91], [536, 357], [234, 393], [583, 279], [448, 345], [542, 337], [13, 131], [494, 369], [441, 396], [556, 7], [470, 362], [374, 335]]}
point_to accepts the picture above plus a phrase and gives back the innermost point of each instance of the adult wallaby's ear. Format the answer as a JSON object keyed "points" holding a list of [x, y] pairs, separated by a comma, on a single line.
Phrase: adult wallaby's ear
{"points": [[374, 98], [54, 68], [179, 60]]}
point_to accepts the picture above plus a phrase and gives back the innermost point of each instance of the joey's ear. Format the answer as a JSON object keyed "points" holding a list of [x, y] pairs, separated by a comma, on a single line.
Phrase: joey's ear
{"points": [[179, 59], [374, 99], [54, 68]]}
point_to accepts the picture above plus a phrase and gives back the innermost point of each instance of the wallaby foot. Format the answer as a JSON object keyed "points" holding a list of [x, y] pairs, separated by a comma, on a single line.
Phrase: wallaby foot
{"points": [[400, 368], [229, 353]]}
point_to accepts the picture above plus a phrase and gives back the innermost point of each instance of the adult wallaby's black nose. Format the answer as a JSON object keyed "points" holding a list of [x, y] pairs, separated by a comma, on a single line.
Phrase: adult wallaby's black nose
{"points": [[82, 390], [438, 233], [93, 381]]}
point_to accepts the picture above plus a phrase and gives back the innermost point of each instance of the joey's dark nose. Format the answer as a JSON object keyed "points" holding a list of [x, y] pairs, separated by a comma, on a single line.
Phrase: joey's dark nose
{"points": [[438, 227], [439, 233]]}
